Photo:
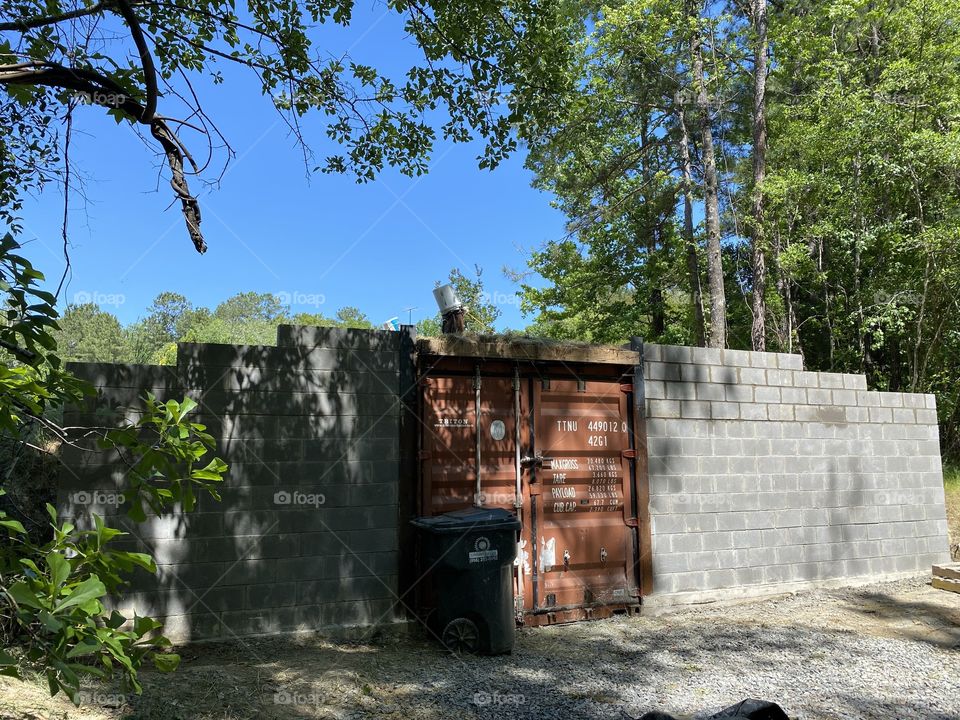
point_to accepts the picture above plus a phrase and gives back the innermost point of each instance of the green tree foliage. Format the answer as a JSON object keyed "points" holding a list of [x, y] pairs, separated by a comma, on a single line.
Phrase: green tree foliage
{"points": [[861, 196], [480, 67], [52, 614], [613, 160], [89, 334], [351, 317]]}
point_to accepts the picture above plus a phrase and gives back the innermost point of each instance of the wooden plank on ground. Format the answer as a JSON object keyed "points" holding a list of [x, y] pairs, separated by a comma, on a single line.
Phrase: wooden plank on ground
{"points": [[950, 571], [944, 584]]}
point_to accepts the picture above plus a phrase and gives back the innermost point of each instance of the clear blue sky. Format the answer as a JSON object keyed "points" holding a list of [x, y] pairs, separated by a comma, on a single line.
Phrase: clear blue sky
{"points": [[379, 246]]}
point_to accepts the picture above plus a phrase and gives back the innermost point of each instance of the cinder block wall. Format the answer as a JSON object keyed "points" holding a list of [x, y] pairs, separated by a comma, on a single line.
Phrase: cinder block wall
{"points": [[306, 535], [763, 475]]}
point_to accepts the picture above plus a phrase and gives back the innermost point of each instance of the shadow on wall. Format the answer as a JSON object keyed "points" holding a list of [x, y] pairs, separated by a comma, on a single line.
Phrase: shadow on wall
{"points": [[305, 535]]}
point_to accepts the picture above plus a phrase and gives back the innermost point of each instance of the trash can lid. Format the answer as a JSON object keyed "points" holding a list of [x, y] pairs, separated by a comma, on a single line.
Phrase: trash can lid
{"points": [[468, 519]]}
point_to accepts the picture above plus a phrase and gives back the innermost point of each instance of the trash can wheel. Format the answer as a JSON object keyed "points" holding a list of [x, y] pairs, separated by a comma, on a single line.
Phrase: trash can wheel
{"points": [[461, 635]]}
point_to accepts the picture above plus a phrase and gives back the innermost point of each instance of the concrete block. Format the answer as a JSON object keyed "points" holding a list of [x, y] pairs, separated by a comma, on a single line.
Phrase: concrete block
{"points": [[753, 411], [701, 522], [753, 376], [654, 389], [686, 543], [806, 379], [740, 358], [723, 374], [766, 395], [854, 382], [843, 397], [652, 352], [857, 414], [724, 410], [780, 378], [927, 416], [781, 413], [710, 391], [819, 396], [829, 380], [868, 398], [793, 396], [789, 361], [662, 371], [881, 415], [738, 393], [680, 391], [695, 409], [676, 354], [891, 399], [694, 373], [720, 579], [763, 360], [664, 408]]}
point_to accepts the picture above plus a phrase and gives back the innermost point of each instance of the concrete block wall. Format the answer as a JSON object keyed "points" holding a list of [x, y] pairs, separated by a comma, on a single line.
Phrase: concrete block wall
{"points": [[764, 475], [306, 534]]}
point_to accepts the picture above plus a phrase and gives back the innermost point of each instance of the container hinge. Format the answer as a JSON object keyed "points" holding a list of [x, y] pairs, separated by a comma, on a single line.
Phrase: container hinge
{"points": [[631, 522], [629, 453], [581, 385], [626, 387]]}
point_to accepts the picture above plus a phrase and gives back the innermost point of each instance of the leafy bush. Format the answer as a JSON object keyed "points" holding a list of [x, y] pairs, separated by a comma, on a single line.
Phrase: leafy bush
{"points": [[53, 617]]}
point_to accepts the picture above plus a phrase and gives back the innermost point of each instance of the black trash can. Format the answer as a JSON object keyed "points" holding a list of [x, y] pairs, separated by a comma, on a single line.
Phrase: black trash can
{"points": [[468, 555]]}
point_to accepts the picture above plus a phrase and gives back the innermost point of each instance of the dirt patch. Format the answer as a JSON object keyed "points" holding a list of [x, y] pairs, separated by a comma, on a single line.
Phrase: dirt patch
{"points": [[887, 650]]}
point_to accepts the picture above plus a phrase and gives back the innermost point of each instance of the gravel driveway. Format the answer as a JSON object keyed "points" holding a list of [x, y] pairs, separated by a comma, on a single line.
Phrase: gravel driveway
{"points": [[885, 651]]}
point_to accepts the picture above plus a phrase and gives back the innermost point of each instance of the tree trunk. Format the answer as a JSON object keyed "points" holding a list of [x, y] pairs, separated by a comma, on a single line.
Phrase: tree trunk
{"points": [[759, 331], [711, 199], [693, 263], [651, 219]]}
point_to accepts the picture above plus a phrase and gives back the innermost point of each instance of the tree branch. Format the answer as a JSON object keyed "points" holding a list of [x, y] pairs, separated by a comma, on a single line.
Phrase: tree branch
{"points": [[25, 24], [93, 83]]}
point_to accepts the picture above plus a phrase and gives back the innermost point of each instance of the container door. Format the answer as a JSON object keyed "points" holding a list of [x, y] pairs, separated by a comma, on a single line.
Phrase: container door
{"points": [[449, 444], [583, 544]]}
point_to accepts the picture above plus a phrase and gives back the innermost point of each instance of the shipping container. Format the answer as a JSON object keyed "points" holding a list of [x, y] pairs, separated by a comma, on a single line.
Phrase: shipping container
{"points": [[555, 433]]}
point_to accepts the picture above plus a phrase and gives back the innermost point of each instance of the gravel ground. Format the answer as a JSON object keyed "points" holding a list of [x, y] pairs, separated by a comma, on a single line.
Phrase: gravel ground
{"points": [[889, 650]]}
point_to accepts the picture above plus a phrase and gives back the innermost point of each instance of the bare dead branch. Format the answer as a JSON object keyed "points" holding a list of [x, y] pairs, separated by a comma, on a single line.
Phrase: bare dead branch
{"points": [[89, 81]]}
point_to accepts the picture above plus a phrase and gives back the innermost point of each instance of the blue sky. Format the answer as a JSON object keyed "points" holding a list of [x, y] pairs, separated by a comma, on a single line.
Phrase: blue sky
{"points": [[379, 246]]}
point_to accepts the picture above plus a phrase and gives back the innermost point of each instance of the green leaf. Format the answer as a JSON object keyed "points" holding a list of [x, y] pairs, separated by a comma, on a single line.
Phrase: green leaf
{"points": [[166, 662], [59, 569], [14, 526], [24, 595], [89, 589], [87, 646]]}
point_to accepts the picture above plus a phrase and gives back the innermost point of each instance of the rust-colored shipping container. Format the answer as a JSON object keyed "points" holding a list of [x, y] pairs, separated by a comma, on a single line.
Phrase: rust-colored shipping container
{"points": [[552, 432]]}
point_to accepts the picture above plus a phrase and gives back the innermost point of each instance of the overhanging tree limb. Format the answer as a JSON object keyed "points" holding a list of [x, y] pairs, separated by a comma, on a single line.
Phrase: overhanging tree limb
{"points": [[95, 84]]}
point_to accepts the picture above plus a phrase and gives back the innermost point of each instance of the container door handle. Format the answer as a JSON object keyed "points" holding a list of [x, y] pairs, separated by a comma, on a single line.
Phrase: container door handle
{"points": [[536, 461]]}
